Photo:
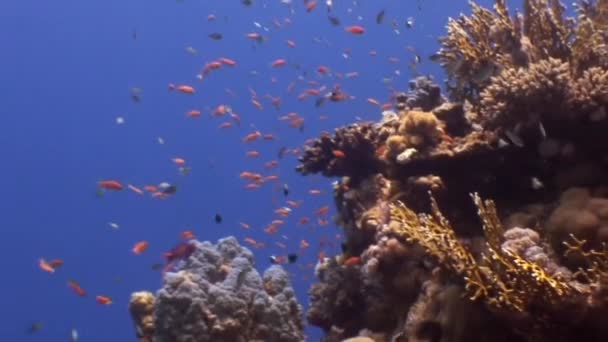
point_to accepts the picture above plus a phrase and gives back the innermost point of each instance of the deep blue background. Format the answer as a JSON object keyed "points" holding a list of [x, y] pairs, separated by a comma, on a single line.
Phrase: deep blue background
{"points": [[66, 70]]}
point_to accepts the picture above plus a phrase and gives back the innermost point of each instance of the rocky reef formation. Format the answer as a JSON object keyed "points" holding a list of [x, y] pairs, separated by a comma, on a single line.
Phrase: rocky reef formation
{"points": [[216, 294], [481, 215]]}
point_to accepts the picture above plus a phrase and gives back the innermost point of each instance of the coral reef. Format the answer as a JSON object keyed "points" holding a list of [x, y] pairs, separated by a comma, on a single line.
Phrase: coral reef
{"points": [[350, 148], [523, 128], [217, 295]]}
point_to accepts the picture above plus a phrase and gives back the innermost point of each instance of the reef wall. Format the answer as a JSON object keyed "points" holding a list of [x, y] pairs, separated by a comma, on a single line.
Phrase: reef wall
{"points": [[479, 215]]}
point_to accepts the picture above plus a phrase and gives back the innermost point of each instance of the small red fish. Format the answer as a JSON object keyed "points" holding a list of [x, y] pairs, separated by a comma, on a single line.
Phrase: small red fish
{"points": [[180, 252], [46, 266], [338, 154], [278, 63], [110, 185], [355, 29], [227, 61], [105, 300], [76, 288], [186, 89], [187, 235], [140, 247], [352, 261], [194, 113]]}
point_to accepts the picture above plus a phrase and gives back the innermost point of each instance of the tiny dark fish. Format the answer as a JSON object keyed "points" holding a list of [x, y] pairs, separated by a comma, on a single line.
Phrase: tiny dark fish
{"points": [[343, 247], [335, 21], [216, 36], [292, 258], [435, 57], [184, 170], [218, 218], [285, 190], [282, 152], [157, 267], [319, 102], [99, 193], [240, 279], [167, 189], [134, 34], [136, 95], [35, 327], [247, 2], [380, 17]]}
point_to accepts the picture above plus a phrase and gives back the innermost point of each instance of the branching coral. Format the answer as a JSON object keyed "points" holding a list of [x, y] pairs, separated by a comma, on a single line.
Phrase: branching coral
{"points": [[582, 215], [590, 45], [522, 95], [486, 43], [351, 148], [513, 276]]}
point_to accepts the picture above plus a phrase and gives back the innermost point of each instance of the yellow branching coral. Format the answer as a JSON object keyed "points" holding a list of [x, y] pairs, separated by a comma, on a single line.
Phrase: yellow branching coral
{"points": [[503, 279], [597, 261], [590, 45], [487, 42]]}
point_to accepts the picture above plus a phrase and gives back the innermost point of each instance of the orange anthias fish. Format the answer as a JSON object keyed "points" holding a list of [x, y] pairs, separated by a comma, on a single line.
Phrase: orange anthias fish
{"points": [[76, 288], [278, 63], [194, 113], [352, 261], [56, 263], [186, 89], [338, 153], [355, 29], [252, 136], [179, 161], [46, 266], [227, 61], [110, 184], [105, 300], [187, 235], [140, 247]]}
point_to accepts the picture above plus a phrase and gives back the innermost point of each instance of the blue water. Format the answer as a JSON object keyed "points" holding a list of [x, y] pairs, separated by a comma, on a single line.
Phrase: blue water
{"points": [[67, 68]]}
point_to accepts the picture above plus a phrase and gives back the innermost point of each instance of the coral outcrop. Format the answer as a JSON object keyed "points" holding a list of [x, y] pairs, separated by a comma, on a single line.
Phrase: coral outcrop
{"points": [[216, 294]]}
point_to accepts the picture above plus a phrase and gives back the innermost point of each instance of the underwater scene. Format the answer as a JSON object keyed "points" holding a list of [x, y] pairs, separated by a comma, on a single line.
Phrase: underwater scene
{"points": [[302, 170]]}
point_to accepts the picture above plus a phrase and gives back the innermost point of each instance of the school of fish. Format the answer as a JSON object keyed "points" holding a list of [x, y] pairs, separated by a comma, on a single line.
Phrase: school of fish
{"points": [[325, 85]]}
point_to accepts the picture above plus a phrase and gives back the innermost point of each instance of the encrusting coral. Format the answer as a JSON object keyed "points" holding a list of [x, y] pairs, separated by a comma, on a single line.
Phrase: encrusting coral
{"points": [[141, 307], [524, 125], [217, 295]]}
